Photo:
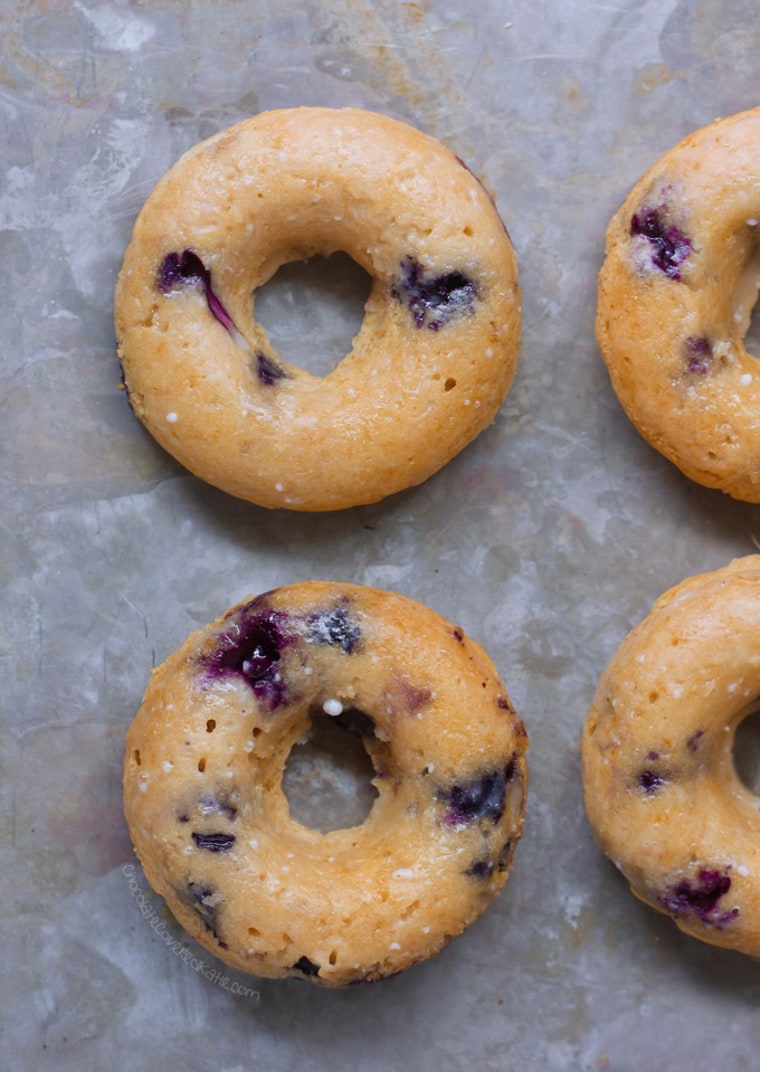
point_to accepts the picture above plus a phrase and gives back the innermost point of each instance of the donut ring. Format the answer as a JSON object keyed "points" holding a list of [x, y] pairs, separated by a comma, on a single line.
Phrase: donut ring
{"points": [[661, 791], [676, 293], [210, 822], [436, 352]]}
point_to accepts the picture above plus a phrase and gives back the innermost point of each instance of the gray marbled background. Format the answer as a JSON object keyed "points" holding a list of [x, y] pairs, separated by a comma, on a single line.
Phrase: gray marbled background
{"points": [[546, 540]]}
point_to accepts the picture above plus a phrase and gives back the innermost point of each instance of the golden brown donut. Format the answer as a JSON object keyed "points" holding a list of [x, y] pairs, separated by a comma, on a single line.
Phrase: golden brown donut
{"points": [[661, 791], [211, 825], [436, 352], [676, 293]]}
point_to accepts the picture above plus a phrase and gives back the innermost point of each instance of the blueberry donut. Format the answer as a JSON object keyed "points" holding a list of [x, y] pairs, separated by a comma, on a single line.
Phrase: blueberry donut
{"points": [[676, 293], [661, 791], [437, 349], [211, 825]]}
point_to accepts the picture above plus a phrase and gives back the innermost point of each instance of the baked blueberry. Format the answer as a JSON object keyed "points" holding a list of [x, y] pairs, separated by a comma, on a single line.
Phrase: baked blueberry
{"points": [[699, 354], [669, 245], [308, 967], [480, 869], [204, 901], [433, 300], [251, 648], [700, 898], [650, 781], [482, 798], [267, 370], [187, 269], [214, 842]]}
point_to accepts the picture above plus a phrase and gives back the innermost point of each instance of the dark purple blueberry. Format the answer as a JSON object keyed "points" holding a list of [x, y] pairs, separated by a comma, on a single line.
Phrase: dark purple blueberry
{"points": [[433, 300], [458, 635], [268, 371], [214, 842], [203, 901], [701, 898], [334, 627], [482, 798], [699, 355], [481, 869], [692, 742], [503, 703], [187, 269], [308, 967], [650, 781], [669, 246], [251, 647]]}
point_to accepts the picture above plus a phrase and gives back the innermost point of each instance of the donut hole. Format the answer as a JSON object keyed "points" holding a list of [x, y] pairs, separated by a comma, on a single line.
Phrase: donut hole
{"points": [[327, 777], [312, 310], [746, 752]]}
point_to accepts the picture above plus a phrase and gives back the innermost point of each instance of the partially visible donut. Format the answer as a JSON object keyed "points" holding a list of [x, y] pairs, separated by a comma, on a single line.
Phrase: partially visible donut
{"points": [[437, 349], [676, 293], [211, 825], [661, 790]]}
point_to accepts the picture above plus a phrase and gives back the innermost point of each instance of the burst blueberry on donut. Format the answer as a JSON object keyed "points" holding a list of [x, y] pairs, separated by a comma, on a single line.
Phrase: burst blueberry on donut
{"points": [[436, 352], [661, 791], [676, 293], [210, 822]]}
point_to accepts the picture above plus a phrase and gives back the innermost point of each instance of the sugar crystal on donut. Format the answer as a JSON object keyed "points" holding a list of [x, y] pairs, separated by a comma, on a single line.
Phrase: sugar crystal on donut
{"points": [[210, 814]]}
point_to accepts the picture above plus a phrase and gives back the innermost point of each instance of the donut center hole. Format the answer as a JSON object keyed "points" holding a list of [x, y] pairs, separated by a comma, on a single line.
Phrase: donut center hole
{"points": [[327, 777], [311, 310], [746, 752]]}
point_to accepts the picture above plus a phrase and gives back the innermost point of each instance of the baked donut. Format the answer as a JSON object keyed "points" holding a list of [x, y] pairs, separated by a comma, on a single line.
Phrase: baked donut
{"points": [[661, 791], [211, 825], [676, 293], [437, 349]]}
